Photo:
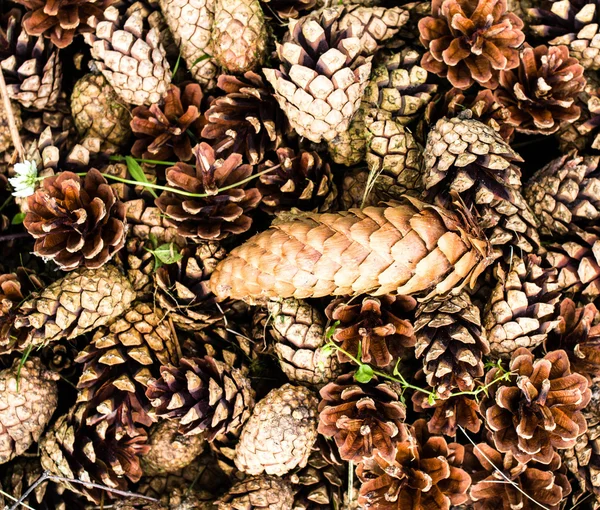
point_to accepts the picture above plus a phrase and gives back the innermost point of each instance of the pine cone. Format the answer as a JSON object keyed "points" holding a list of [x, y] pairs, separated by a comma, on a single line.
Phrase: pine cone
{"points": [[363, 419], [5, 139], [60, 358], [452, 343], [239, 35], [146, 222], [258, 492], [246, 120], [28, 397], [130, 56], [289, 8], [31, 66], [215, 216], [76, 222], [540, 95], [449, 414], [521, 309], [61, 24], [299, 330], [78, 303], [565, 194], [190, 24], [204, 394], [425, 473], [99, 114], [355, 190], [304, 181], [280, 432], [162, 132], [538, 408], [72, 449], [545, 483], [471, 41], [170, 451], [120, 362], [379, 327], [322, 74], [182, 288], [453, 254]]}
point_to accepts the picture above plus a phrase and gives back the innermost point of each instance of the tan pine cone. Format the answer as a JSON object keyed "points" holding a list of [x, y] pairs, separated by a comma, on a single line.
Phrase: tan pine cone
{"points": [[356, 190], [239, 35], [80, 302], [169, 450], [258, 492], [191, 24], [280, 432], [130, 56], [28, 398], [99, 113], [146, 222], [454, 254], [299, 331], [5, 139]]}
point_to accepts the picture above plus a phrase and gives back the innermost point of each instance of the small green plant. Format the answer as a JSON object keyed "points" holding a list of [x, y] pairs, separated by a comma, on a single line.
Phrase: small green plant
{"points": [[163, 254]]}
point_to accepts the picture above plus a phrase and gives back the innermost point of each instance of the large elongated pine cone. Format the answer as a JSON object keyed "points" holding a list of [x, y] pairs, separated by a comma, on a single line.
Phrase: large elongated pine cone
{"points": [[280, 434], [539, 408], [190, 24], [408, 248], [79, 302], [363, 419], [471, 41], [28, 398], [322, 74], [131, 57], [257, 492], [76, 221], [31, 66]]}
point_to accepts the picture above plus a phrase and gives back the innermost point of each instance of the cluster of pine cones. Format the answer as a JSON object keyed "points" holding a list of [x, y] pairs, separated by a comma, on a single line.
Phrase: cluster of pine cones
{"points": [[300, 255]]}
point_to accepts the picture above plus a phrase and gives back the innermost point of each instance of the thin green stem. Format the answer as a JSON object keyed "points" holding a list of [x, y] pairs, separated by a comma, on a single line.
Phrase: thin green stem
{"points": [[6, 202], [117, 157]]}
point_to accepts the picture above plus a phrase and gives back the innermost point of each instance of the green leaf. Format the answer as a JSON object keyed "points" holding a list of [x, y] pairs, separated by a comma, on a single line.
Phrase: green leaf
{"points": [[200, 59], [330, 332], [137, 173], [396, 371], [153, 240], [18, 218], [165, 254], [22, 362], [176, 68], [364, 374], [327, 349], [431, 399]]}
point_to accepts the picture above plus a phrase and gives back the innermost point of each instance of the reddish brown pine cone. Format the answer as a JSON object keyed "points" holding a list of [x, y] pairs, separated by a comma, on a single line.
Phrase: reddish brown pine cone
{"points": [[217, 215], [541, 94], [538, 409], [363, 419], [491, 490], [449, 414], [76, 221], [426, 473], [379, 325], [470, 41], [61, 20], [162, 131]]}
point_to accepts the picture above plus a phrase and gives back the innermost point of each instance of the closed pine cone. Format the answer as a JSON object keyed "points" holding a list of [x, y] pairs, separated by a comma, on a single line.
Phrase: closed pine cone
{"points": [[258, 492]]}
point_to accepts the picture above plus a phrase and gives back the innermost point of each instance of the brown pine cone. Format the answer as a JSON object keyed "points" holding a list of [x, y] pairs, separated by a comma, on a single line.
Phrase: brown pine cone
{"points": [[169, 450], [60, 358], [471, 41], [356, 192], [146, 222], [28, 398], [449, 414], [31, 66], [258, 492], [76, 304], [425, 473], [130, 55], [218, 215], [246, 120], [541, 94], [162, 132], [99, 114], [304, 181], [547, 484], [565, 194], [454, 254], [380, 327], [538, 408], [119, 363], [452, 343], [204, 395], [76, 222], [289, 8], [102, 455], [322, 74], [280, 433], [299, 331], [363, 419]]}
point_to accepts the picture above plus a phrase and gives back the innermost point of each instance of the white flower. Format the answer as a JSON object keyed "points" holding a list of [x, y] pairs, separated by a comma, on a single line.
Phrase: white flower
{"points": [[25, 179]]}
